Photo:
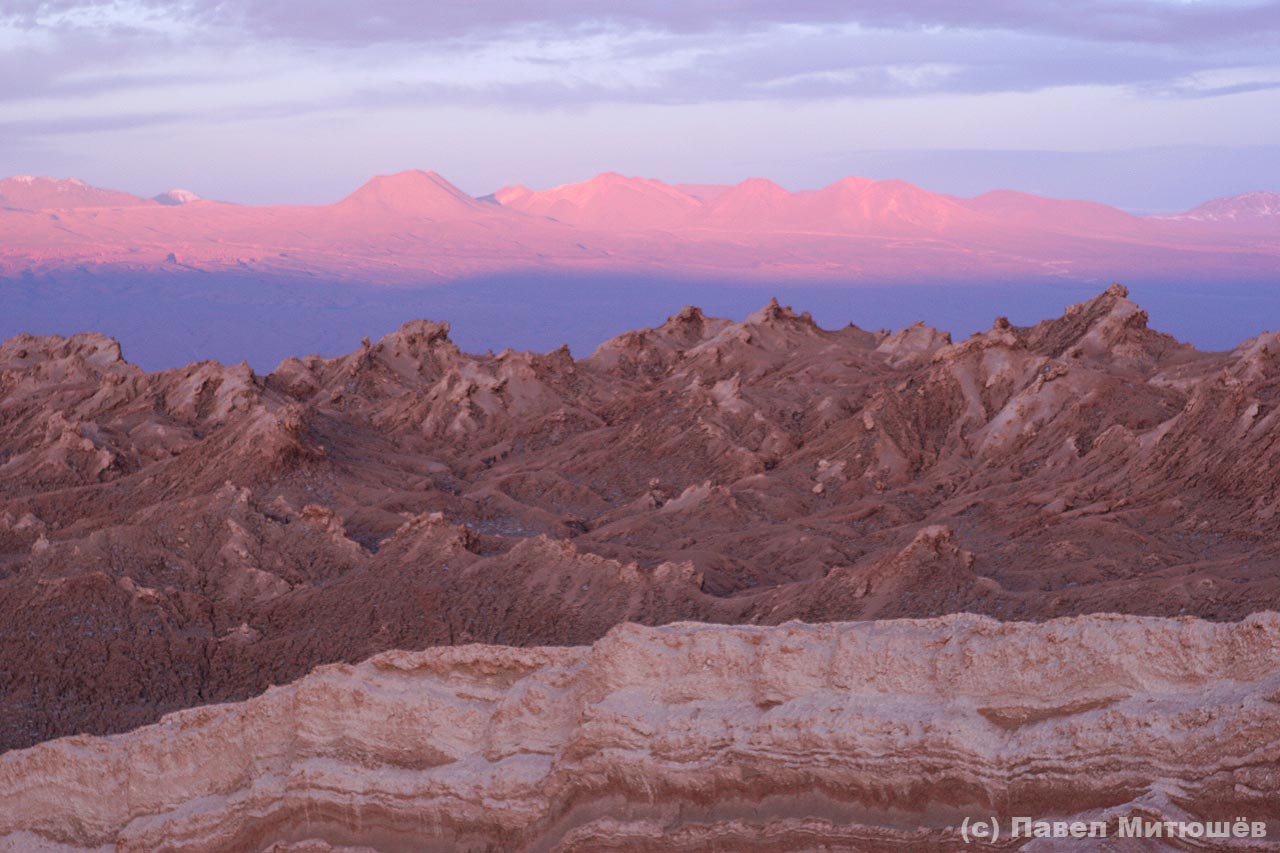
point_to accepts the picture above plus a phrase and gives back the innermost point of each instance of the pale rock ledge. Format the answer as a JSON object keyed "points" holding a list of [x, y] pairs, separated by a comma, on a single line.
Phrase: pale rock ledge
{"points": [[849, 736]]}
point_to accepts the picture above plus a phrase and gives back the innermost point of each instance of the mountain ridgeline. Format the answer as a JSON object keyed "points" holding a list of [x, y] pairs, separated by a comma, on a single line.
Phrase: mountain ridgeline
{"points": [[416, 227]]}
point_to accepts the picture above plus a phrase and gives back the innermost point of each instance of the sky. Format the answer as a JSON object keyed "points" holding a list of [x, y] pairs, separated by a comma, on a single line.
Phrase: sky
{"points": [[1151, 105]]}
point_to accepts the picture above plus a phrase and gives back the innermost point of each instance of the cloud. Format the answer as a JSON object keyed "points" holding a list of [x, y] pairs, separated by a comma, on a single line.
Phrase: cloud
{"points": [[1233, 89], [65, 64], [339, 21], [36, 127]]}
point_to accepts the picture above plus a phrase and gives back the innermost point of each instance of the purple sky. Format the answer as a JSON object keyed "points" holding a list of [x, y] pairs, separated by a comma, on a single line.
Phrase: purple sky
{"points": [[1152, 105]]}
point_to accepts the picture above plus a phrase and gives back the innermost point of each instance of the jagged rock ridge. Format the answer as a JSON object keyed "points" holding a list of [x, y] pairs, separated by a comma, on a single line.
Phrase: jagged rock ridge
{"points": [[197, 535]]}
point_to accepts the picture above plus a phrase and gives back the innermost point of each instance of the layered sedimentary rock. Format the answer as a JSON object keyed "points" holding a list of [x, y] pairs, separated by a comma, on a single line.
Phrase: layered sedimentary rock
{"points": [[197, 535], [849, 736]]}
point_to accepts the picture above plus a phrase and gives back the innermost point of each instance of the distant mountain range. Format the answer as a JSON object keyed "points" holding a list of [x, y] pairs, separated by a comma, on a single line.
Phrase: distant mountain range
{"points": [[416, 226], [1261, 207]]}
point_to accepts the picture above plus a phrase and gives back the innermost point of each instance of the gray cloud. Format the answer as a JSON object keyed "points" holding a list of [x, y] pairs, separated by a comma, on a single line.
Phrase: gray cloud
{"points": [[37, 127], [1158, 21], [662, 53]]}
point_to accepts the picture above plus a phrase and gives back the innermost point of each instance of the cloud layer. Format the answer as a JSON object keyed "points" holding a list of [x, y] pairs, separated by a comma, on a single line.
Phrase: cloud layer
{"points": [[582, 50], [400, 20], [72, 70]]}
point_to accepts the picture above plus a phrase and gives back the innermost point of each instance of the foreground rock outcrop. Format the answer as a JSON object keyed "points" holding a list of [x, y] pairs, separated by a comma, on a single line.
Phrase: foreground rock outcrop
{"points": [[197, 535], [847, 736]]}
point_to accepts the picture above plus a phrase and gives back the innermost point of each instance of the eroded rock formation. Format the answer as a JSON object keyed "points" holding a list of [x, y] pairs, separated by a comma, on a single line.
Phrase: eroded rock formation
{"points": [[197, 535], [863, 736]]}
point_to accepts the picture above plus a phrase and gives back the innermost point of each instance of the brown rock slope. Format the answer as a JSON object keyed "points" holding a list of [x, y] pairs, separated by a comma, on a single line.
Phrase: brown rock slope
{"points": [[866, 736], [196, 535]]}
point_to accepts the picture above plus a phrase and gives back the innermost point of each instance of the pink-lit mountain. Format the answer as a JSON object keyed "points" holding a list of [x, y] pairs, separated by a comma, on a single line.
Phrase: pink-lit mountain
{"points": [[608, 201], [1256, 208], [416, 226], [30, 192]]}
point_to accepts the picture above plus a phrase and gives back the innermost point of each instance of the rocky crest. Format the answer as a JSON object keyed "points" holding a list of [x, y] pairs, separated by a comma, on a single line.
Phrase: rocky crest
{"points": [[867, 736], [200, 534]]}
